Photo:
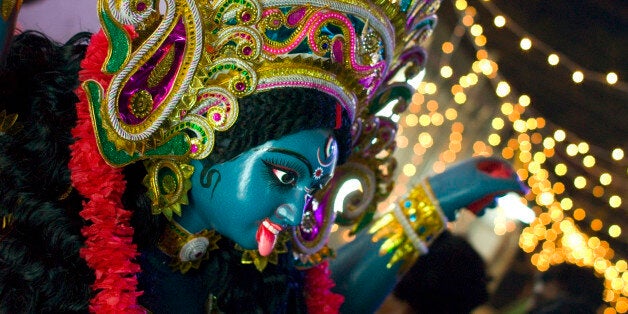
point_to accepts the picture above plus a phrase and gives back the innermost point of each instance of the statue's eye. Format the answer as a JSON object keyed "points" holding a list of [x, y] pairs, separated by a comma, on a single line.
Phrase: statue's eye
{"points": [[282, 173], [285, 176]]}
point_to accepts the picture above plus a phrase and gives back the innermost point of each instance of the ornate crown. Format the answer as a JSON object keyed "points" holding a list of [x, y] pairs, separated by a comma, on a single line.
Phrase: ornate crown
{"points": [[173, 79]]}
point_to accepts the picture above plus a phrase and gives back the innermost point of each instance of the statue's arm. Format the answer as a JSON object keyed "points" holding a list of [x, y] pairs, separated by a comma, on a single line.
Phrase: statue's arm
{"points": [[367, 269]]}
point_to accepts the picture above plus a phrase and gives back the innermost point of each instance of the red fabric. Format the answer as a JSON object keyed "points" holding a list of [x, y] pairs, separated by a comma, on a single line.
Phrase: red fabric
{"points": [[338, 116], [108, 249], [318, 295]]}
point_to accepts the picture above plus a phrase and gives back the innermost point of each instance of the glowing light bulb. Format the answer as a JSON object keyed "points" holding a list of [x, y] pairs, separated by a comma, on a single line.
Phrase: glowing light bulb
{"points": [[480, 40], [507, 108], [447, 47], [409, 170], [412, 120], [579, 214], [524, 100], [499, 21], [460, 98], [560, 135], [611, 78], [525, 43], [425, 139], [566, 204], [519, 126], [572, 150], [461, 4], [553, 59], [580, 182], [545, 198], [430, 88], [606, 178], [485, 66], [476, 30], [446, 71], [549, 143], [497, 123], [503, 89], [596, 225], [577, 76], [494, 139], [614, 201], [618, 154], [588, 161]]}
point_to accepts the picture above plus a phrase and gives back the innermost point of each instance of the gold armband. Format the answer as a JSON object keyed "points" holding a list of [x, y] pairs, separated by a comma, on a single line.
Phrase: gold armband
{"points": [[410, 226]]}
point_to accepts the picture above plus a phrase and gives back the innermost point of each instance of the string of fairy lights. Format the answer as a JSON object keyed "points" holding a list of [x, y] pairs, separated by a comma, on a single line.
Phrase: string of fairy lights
{"points": [[549, 159], [554, 58]]}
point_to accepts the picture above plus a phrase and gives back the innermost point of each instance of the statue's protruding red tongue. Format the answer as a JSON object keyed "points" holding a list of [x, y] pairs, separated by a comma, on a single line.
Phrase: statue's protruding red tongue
{"points": [[267, 237]]}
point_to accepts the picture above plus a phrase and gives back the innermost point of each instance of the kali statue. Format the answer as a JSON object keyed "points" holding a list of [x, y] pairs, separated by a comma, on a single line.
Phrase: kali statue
{"points": [[190, 158]]}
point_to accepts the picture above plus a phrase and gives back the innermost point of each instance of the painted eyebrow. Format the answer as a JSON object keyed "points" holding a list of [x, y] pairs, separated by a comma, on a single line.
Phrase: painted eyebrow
{"points": [[293, 154]]}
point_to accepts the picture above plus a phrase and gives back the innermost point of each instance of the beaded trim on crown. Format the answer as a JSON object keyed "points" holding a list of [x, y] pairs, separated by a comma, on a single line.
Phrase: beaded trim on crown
{"points": [[178, 83], [175, 78]]}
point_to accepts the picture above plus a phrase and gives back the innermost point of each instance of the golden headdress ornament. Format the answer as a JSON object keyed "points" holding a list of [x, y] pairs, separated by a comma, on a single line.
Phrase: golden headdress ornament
{"points": [[177, 74]]}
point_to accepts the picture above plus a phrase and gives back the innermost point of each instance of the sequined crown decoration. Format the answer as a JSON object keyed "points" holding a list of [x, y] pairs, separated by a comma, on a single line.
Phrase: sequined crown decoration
{"points": [[174, 74]]}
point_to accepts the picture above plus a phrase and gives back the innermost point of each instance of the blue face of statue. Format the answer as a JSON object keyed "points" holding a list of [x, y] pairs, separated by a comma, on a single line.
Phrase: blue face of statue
{"points": [[254, 196]]}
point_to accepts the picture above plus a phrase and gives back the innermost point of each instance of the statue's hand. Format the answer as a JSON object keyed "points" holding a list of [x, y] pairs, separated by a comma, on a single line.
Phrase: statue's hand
{"points": [[474, 184]]}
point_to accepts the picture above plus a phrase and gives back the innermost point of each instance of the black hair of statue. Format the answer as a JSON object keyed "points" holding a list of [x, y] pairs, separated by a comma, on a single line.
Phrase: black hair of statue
{"points": [[40, 267], [272, 114]]}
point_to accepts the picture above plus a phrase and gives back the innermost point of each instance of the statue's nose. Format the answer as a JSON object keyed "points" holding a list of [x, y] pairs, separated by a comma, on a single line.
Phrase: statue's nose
{"points": [[291, 214], [288, 215]]}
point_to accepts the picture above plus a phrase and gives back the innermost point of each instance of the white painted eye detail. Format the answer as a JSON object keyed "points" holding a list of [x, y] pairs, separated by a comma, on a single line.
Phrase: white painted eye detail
{"points": [[285, 177]]}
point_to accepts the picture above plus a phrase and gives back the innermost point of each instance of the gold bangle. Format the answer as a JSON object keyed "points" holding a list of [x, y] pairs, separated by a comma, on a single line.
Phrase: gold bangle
{"points": [[410, 226]]}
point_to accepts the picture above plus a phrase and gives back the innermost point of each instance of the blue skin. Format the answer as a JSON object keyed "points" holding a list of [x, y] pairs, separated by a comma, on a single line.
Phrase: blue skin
{"points": [[360, 272], [254, 186]]}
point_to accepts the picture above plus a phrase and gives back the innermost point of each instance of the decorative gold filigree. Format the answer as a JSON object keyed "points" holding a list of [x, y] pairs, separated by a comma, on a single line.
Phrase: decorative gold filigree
{"points": [[168, 183], [9, 7], [306, 261], [260, 262], [7, 220], [7, 121]]}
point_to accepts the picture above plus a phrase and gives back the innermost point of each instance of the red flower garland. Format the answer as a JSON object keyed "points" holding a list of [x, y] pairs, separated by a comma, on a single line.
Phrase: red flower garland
{"points": [[318, 295], [108, 249]]}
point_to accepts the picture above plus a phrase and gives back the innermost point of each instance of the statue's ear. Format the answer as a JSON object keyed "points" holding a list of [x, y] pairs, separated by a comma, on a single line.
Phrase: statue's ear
{"points": [[8, 15]]}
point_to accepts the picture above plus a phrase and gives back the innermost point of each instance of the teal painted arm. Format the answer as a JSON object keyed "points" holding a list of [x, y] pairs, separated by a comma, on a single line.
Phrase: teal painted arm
{"points": [[367, 269], [474, 184]]}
